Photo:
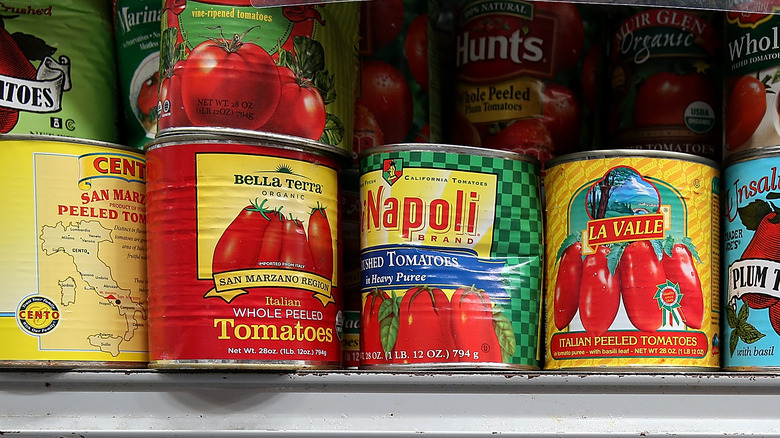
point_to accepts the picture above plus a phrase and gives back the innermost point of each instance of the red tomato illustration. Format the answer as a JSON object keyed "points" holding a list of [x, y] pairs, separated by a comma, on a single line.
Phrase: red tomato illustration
{"points": [[321, 242], [229, 83], [663, 98], [301, 110], [569, 32], [424, 326], [640, 274], [562, 116], [13, 63], [370, 332], [416, 49], [567, 285], [744, 111], [387, 95], [471, 321], [680, 270], [599, 293], [240, 243]]}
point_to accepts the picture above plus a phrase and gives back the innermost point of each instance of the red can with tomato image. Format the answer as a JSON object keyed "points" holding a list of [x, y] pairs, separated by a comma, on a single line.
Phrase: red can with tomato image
{"points": [[244, 251], [752, 85], [632, 261], [528, 76], [287, 70], [666, 82]]}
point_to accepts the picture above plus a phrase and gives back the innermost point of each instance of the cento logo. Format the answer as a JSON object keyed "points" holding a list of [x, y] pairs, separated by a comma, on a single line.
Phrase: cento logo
{"points": [[37, 315], [392, 169]]}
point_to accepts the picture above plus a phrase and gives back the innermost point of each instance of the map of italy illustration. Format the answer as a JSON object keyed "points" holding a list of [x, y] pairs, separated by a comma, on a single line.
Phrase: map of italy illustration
{"points": [[92, 278]]}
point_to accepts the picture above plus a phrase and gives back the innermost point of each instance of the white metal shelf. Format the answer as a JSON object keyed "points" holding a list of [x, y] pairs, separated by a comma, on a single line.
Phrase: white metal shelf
{"points": [[387, 404]]}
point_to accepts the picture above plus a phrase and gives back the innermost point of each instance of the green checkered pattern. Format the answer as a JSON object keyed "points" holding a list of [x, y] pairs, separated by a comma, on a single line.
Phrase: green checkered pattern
{"points": [[517, 233]]}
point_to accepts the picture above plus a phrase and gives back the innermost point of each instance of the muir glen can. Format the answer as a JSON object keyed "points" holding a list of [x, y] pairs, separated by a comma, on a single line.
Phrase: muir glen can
{"points": [[666, 72], [73, 263], [632, 261], [244, 251], [751, 259], [243, 65], [451, 258]]}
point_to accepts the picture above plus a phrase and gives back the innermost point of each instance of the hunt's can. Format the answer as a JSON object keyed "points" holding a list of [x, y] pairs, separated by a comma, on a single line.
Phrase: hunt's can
{"points": [[58, 69], [666, 81], [751, 259], [752, 81], [451, 258], [286, 69], [244, 251], [74, 254], [632, 261], [138, 61]]}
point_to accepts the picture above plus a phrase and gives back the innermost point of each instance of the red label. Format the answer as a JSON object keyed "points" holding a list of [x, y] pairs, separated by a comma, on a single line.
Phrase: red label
{"points": [[623, 344]]}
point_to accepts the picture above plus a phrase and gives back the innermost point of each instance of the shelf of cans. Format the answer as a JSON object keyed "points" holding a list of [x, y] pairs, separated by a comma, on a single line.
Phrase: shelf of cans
{"points": [[148, 403]]}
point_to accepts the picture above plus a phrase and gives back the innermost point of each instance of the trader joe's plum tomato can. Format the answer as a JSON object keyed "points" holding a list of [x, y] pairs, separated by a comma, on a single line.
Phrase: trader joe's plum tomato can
{"points": [[451, 258], [751, 239], [73, 262], [287, 69], [244, 251], [632, 261]]}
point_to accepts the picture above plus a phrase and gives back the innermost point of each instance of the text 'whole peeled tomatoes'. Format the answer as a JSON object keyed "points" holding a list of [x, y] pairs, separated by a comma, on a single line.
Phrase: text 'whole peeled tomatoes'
{"points": [[244, 251], [287, 70], [451, 253], [632, 259]]}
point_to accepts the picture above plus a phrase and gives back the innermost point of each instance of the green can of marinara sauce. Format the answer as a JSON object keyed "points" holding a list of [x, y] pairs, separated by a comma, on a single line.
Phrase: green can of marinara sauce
{"points": [[57, 73], [286, 70], [451, 258], [138, 58]]}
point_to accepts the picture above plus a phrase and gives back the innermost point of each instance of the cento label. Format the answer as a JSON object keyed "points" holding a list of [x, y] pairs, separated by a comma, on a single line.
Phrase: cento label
{"points": [[631, 250], [449, 244]]}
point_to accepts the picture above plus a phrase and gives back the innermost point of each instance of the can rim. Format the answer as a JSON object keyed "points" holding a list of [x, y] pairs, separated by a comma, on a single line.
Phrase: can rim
{"points": [[630, 153], [68, 140], [453, 148], [748, 154], [204, 135]]}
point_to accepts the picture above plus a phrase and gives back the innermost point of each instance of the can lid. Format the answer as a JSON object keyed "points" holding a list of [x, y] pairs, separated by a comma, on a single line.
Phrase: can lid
{"points": [[230, 135], [448, 148], [71, 140], [749, 154], [630, 153]]}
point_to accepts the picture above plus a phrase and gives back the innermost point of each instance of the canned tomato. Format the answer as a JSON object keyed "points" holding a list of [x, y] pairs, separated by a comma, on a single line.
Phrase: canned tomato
{"points": [[287, 70], [527, 76], [752, 81], [751, 239], [632, 261], [451, 258], [666, 80], [138, 61], [58, 69], [244, 251], [74, 254]]}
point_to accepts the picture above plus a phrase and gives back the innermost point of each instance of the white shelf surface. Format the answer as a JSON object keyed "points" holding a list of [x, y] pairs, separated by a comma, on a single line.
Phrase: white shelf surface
{"points": [[387, 404]]}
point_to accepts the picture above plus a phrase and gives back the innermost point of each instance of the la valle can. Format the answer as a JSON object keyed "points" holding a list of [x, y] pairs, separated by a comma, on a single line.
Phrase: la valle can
{"points": [[74, 254], [632, 261], [751, 259], [239, 64], [244, 251], [451, 258]]}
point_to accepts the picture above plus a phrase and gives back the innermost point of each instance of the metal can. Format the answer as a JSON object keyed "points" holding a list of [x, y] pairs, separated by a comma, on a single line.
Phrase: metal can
{"points": [[350, 231], [632, 261], [244, 251], [451, 258], [287, 69], [666, 81], [138, 61], [751, 260], [59, 69], [74, 254], [751, 103], [527, 76]]}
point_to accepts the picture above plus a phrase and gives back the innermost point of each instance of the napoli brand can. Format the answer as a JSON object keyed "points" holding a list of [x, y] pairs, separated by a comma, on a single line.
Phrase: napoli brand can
{"points": [[58, 69], [244, 251], [666, 81], [632, 261], [752, 81], [451, 258], [138, 59], [751, 236], [74, 254], [287, 69]]}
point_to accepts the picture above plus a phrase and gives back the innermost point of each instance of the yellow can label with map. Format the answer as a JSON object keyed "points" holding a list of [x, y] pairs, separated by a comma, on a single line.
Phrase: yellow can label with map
{"points": [[74, 253]]}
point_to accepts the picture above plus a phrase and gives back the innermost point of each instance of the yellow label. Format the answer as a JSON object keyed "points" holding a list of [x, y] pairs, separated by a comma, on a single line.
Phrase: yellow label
{"points": [[227, 183], [75, 242], [511, 99], [432, 207]]}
